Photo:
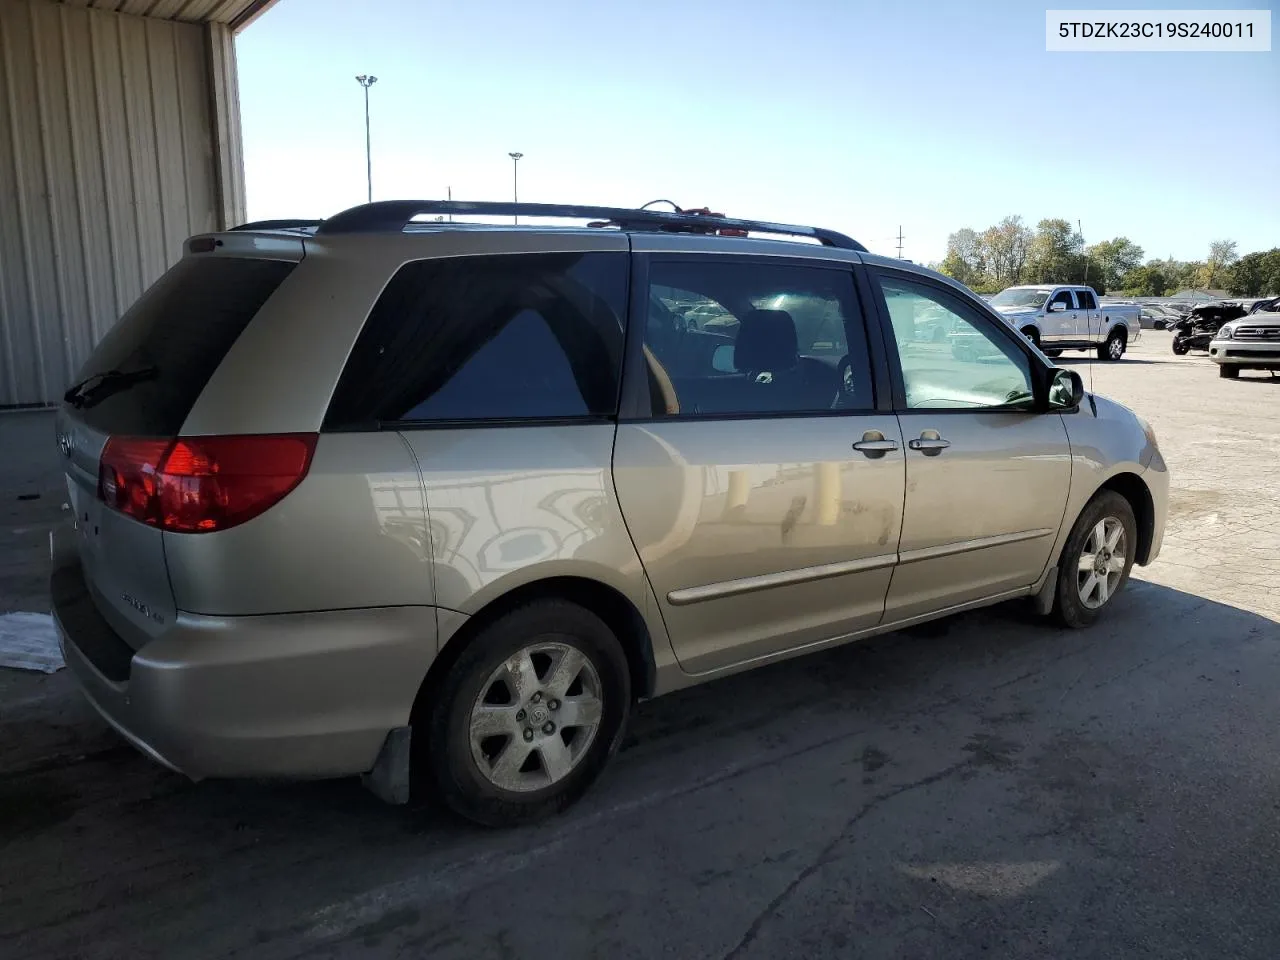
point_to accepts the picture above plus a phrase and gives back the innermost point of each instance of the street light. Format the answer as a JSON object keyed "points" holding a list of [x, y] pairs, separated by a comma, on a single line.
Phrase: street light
{"points": [[367, 81], [515, 180]]}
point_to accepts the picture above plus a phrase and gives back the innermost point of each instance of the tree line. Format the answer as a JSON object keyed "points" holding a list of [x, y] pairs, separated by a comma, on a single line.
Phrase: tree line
{"points": [[1010, 252]]}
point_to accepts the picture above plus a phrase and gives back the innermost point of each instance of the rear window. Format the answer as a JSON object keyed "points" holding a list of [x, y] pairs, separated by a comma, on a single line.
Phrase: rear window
{"points": [[179, 330], [496, 338]]}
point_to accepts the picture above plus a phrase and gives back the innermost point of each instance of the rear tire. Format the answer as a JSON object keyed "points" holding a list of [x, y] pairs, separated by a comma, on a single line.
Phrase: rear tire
{"points": [[1228, 371], [1052, 354], [482, 776], [1112, 348], [1079, 600]]}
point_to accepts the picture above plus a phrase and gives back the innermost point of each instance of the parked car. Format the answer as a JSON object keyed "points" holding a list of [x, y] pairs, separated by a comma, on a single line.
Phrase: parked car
{"points": [[1251, 342], [1157, 317], [1058, 318], [436, 503], [1198, 328]]}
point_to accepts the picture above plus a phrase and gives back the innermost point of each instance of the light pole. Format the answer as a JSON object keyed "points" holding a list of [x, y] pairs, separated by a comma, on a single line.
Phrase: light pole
{"points": [[515, 180], [367, 81]]}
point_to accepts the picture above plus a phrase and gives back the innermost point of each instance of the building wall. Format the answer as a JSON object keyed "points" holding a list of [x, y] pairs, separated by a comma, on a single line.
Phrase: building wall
{"points": [[113, 149]]}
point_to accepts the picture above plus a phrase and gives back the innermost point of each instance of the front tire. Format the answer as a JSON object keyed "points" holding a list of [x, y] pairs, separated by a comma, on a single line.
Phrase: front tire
{"points": [[1180, 347], [1096, 560], [529, 715], [1032, 334], [1228, 371]]}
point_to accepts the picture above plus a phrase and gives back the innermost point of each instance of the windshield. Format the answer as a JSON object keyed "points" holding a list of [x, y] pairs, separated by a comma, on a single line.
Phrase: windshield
{"points": [[1020, 298]]}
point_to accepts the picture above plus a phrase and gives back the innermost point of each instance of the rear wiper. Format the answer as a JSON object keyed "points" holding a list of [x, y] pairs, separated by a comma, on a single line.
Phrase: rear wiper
{"points": [[98, 387]]}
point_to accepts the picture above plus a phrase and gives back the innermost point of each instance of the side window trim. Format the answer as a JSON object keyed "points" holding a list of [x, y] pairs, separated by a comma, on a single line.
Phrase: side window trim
{"points": [[635, 404], [982, 315]]}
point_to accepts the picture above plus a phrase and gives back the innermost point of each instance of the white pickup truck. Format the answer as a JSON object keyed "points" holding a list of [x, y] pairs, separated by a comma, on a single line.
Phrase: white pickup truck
{"points": [[1058, 318]]}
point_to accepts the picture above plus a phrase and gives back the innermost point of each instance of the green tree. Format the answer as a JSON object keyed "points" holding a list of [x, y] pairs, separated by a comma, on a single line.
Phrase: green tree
{"points": [[1147, 281], [1082, 269], [1005, 248], [1256, 274], [1050, 251], [1115, 258], [1222, 254], [964, 259]]}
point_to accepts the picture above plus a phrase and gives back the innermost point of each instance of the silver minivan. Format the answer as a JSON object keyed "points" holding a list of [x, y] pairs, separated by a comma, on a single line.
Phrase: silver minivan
{"points": [[438, 502]]}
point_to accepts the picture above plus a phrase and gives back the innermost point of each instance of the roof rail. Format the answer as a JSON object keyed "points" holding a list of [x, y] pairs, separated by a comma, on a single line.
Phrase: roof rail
{"points": [[392, 216], [277, 225]]}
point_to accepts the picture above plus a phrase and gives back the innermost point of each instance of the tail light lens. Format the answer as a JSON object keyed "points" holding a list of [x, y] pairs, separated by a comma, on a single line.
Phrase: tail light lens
{"points": [[201, 484]]}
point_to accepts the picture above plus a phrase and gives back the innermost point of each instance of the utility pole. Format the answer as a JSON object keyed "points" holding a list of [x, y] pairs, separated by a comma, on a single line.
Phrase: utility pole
{"points": [[899, 241], [515, 180], [367, 81]]}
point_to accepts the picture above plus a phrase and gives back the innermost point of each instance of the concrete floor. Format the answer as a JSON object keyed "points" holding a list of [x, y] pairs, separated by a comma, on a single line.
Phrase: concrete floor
{"points": [[990, 786]]}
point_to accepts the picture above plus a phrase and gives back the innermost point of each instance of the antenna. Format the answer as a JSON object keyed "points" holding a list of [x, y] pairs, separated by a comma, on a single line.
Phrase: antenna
{"points": [[1088, 319], [899, 241]]}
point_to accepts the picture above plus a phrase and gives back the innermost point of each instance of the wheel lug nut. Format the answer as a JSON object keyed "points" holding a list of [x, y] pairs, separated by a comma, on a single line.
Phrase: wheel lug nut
{"points": [[554, 704], [548, 727], [536, 698], [519, 716], [528, 733]]}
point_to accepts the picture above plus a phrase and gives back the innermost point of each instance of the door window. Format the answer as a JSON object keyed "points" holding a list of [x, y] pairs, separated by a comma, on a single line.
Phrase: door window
{"points": [[498, 338], [1064, 296], [1086, 300], [976, 367], [751, 338]]}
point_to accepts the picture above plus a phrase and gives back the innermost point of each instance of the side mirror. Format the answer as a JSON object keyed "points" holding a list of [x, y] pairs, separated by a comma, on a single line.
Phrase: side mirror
{"points": [[1066, 391], [722, 359], [1057, 307]]}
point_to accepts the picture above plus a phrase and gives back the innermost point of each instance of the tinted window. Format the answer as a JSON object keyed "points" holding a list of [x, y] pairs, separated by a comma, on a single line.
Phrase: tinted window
{"points": [[1086, 300], [1064, 296], [725, 337], [514, 337], [974, 367], [174, 337]]}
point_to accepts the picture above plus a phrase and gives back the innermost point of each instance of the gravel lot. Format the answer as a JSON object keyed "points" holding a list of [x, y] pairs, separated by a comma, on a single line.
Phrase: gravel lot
{"points": [[988, 786]]}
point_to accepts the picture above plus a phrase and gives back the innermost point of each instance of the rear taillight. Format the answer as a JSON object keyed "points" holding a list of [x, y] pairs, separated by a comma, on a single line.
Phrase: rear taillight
{"points": [[201, 484]]}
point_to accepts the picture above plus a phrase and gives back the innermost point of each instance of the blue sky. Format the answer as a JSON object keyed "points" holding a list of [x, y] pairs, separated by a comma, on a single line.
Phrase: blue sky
{"points": [[858, 116]]}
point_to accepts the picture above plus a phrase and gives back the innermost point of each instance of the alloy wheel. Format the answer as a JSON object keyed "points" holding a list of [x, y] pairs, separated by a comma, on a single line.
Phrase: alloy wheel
{"points": [[1102, 562], [535, 717]]}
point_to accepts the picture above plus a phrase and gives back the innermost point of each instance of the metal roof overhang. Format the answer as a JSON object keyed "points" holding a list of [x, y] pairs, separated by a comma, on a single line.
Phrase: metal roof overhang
{"points": [[237, 14]]}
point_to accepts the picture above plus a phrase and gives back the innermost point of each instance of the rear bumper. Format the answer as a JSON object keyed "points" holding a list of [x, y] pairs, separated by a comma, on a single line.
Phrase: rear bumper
{"points": [[291, 695], [1245, 353]]}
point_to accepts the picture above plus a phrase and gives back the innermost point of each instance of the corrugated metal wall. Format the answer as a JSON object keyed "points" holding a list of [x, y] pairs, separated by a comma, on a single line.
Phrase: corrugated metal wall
{"points": [[108, 161]]}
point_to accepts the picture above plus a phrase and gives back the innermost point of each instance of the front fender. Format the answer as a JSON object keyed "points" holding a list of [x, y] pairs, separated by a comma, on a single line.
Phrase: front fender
{"points": [[1109, 441]]}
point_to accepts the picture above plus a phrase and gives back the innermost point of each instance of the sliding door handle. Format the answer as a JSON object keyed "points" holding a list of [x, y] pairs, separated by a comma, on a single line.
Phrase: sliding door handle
{"points": [[875, 444]]}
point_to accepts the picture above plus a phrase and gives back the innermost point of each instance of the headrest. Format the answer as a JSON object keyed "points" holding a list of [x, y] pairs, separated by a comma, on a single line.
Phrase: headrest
{"points": [[766, 341]]}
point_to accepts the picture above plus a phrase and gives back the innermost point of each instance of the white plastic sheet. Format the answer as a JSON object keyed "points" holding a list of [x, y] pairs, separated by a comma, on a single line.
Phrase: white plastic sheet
{"points": [[29, 641]]}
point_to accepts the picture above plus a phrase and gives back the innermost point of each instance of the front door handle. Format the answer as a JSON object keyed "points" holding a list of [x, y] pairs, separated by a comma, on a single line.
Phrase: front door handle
{"points": [[874, 444], [930, 443]]}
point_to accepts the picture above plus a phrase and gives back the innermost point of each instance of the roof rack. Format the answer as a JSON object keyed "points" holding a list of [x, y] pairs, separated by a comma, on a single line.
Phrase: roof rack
{"points": [[392, 216], [277, 225]]}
